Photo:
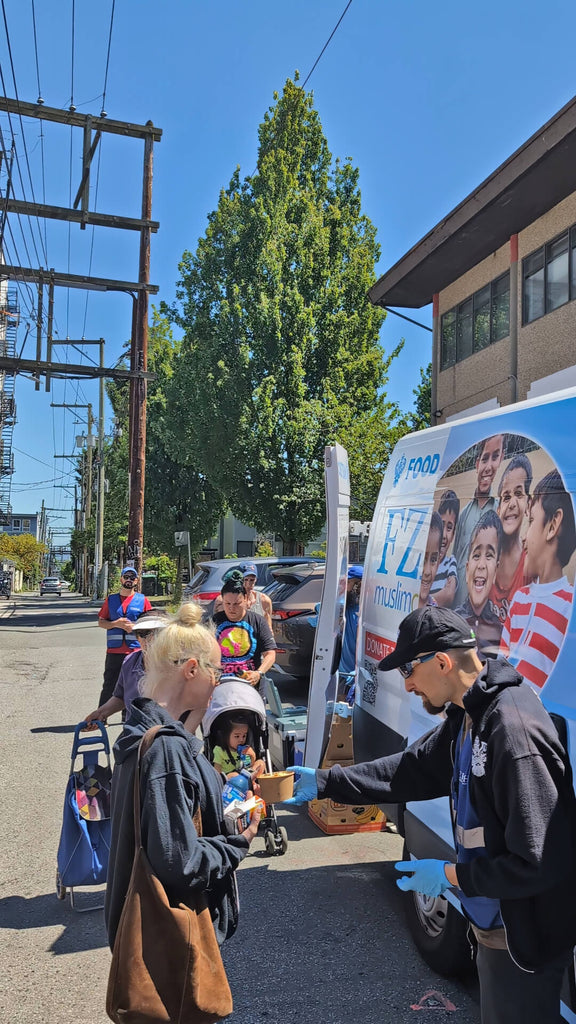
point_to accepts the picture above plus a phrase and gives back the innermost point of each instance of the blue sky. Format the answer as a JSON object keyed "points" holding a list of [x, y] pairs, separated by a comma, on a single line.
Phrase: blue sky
{"points": [[426, 100]]}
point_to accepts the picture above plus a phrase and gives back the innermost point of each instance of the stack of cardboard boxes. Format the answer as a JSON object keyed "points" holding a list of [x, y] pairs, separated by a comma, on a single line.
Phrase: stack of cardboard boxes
{"points": [[339, 819]]}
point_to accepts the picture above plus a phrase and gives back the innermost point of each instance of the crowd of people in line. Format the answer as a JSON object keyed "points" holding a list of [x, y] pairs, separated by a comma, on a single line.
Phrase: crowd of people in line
{"points": [[496, 753]]}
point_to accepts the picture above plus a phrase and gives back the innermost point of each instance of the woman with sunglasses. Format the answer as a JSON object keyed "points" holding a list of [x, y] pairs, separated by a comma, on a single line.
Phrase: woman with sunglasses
{"points": [[176, 779], [133, 668]]}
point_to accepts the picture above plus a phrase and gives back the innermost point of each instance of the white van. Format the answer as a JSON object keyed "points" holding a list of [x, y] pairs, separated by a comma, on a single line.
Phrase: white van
{"points": [[487, 464]]}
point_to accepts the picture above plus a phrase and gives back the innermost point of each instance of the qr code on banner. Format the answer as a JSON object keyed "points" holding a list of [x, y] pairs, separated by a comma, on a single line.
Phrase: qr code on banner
{"points": [[369, 684]]}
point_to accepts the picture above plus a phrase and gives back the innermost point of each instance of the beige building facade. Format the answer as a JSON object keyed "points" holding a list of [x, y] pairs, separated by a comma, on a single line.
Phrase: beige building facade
{"points": [[500, 271]]}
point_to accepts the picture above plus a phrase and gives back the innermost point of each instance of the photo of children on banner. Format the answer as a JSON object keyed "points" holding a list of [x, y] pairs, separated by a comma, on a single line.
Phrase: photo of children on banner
{"points": [[431, 560], [519, 562], [481, 565], [540, 612], [443, 589], [514, 500], [488, 457]]}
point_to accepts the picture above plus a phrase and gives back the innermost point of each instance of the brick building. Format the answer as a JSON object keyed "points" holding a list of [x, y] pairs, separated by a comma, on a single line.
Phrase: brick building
{"points": [[500, 271]]}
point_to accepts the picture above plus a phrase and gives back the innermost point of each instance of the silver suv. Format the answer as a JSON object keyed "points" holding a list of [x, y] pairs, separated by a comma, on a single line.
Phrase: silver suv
{"points": [[51, 585], [206, 584]]}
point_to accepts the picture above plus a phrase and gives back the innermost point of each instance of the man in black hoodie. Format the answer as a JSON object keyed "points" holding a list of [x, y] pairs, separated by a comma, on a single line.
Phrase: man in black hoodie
{"points": [[498, 755]]}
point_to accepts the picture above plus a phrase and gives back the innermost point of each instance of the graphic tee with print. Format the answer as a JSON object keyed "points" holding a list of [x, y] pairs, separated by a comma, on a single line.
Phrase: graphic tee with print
{"points": [[243, 643]]}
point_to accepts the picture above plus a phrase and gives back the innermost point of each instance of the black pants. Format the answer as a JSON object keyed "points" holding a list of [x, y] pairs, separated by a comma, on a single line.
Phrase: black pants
{"points": [[509, 995], [112, 667]]}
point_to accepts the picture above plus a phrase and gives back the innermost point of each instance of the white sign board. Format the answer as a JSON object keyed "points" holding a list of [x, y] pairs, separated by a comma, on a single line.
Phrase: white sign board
{"points": [[330, 627]]}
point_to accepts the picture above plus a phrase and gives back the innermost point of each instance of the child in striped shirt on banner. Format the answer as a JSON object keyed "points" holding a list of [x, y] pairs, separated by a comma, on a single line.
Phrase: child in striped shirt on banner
{"points": [[540, 612]]}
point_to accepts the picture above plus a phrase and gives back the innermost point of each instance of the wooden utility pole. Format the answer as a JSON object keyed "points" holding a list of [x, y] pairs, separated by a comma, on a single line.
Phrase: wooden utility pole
{"points": [[94, 130], [139, 363]]}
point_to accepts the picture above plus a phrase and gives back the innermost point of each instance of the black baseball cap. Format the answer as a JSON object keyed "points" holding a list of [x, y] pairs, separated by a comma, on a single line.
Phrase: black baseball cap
{"points": [[426, 630]]}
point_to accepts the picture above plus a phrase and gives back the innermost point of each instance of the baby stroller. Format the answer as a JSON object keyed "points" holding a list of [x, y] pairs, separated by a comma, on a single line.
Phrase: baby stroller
{"points": [[234, 695], [84, 846]]}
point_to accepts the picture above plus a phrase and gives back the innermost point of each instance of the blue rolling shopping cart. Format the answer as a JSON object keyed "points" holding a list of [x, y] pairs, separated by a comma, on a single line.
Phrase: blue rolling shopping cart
{"points": [[84, 846]]}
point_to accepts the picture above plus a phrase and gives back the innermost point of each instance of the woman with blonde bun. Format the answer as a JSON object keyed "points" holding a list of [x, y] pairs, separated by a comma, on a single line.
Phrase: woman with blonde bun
{"points": [[182, 669]]}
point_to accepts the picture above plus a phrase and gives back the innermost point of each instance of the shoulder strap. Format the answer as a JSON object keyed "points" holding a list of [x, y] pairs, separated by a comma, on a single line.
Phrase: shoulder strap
{"points": [[143, 748]]}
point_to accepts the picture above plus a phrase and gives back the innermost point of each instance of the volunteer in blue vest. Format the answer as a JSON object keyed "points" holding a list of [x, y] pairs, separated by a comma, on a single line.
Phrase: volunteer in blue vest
{"points": [[118, 615], [497, 755]]}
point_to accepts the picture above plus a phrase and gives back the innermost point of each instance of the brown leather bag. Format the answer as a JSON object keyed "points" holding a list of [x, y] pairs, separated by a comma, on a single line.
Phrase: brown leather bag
{"points": [[166, 964]]}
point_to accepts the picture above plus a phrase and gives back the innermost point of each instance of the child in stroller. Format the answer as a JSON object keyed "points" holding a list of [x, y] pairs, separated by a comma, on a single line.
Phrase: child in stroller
{"points": [[234, 701], [232, 754]]}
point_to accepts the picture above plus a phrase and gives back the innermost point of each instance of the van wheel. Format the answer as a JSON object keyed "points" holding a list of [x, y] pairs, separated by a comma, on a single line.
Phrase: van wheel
{"points": [[439, 931]]}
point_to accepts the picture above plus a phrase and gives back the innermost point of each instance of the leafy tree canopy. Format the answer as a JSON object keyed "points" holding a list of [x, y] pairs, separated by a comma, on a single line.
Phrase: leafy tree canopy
{"points": [[25, 551], [280, 354], [421, 417]]}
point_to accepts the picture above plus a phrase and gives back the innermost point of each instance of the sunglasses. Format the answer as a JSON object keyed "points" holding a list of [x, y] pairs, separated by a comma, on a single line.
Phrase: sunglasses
{"points": [[218, 672], [143, 634], [407, 669]]}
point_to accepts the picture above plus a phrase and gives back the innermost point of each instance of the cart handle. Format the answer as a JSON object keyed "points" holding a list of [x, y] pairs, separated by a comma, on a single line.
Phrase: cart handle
{"points": [[87, 741]]}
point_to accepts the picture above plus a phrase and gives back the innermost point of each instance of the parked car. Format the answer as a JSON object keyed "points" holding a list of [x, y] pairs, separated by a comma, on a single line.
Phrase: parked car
{"points": [[206, 584], [295, 593], [51, 585], [65, 584]]}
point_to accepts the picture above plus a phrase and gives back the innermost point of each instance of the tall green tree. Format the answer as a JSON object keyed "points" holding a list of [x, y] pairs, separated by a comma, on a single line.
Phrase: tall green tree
{"points": [[177, 495], [280, 354], [421, 417]]}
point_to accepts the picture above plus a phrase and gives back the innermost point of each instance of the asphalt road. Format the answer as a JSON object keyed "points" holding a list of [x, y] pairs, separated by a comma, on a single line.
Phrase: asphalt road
{"points": [[322, 938]]}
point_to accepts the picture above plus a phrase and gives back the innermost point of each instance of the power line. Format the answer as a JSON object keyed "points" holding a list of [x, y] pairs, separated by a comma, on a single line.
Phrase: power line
{"points": [[108, 59], [22, 127], [40, 100], [326, 44]]}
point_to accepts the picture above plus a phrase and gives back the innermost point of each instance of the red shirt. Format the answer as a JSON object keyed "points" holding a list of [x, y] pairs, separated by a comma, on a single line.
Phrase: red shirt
{"points": [[105, 614], [501, 598]]}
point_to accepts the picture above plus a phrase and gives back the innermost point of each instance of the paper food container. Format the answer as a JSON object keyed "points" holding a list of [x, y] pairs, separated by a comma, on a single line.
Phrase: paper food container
{"points": [[276, 786]]}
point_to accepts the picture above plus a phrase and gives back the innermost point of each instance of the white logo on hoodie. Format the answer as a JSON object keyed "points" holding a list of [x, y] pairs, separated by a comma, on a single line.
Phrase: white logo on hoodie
{"points": [[478, 757]]}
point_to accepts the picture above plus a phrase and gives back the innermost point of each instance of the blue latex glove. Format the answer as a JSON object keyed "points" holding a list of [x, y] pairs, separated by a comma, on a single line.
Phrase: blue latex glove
{"points": [[427, 877], [306, 787]]}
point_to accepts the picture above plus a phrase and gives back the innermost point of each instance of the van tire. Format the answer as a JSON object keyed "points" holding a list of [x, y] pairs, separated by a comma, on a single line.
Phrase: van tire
{"points": [[440, 933]]}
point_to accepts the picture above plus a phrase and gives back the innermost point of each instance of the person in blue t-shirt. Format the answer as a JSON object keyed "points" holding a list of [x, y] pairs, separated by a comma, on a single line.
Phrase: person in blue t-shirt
{"points": [[353, 587]]}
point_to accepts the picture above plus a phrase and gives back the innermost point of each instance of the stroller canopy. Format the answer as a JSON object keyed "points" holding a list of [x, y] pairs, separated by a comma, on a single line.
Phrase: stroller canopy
{"points": [[233, 694]]}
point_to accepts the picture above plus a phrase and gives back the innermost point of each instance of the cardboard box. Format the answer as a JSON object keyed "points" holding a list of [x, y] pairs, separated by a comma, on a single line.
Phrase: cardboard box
{"points": [[340, 745], [341, 819]]}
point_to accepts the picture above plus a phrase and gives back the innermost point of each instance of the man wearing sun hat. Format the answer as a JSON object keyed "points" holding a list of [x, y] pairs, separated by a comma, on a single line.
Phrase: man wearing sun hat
{"points": [[118, 615], [497, 754]]}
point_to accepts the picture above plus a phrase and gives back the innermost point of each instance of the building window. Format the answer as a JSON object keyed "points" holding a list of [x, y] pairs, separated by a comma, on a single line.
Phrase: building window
{"points": [[17, 525], [549, 277], [477, 322], [26, 526]]}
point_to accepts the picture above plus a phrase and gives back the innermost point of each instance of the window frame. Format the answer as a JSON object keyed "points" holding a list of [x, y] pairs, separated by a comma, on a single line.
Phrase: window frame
{"points": [[457, 311], [545, 251]]}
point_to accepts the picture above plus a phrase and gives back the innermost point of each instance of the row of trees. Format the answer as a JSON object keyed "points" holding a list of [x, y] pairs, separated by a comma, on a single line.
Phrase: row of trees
{"points": [[25, 552], [278, 353]]}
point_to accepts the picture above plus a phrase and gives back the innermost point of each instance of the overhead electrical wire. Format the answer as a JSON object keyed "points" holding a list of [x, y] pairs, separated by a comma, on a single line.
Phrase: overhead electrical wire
{"points": [[40, 100], [326, 44], [22, 126]]}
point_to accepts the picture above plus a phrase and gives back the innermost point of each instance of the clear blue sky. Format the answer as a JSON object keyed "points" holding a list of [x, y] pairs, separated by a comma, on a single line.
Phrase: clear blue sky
{"points": [[426, 99]]}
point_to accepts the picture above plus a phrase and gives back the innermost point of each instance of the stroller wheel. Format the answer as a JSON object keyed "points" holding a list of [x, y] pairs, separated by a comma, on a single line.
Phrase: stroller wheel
{"points": [[283, 837], [60, 889], [270, 842]]}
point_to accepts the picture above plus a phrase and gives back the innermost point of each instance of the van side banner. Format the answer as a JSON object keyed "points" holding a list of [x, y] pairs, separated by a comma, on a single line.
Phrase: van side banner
{"points": [[477, 516], [330, 626]]}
